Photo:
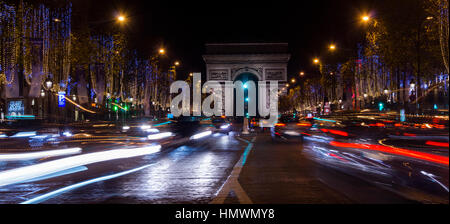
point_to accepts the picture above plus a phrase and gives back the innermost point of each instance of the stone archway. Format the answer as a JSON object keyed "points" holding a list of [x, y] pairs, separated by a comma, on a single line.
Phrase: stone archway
{"points": [[261, 61]]}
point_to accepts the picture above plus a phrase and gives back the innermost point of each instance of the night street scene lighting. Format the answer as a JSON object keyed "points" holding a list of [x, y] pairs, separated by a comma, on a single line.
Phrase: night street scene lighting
{"points": [[246, 104]]}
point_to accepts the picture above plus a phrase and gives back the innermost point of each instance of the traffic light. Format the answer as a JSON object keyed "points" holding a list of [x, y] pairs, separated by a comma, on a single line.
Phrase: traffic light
{"points": [[381, 106]]}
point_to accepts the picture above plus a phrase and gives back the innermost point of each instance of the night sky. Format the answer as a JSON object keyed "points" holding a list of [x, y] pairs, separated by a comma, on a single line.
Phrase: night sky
{"points": [[183, 28]]}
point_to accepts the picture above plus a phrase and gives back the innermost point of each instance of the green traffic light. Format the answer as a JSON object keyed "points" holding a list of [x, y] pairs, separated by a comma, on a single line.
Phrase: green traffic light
{"points": [[380, 106]]}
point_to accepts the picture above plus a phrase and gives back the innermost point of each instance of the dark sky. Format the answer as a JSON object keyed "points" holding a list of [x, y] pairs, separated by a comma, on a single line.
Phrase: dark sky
{"points": [[183, 27]]}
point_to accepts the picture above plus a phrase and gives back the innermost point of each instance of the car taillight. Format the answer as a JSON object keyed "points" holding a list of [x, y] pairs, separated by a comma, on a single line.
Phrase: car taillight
{"points": [[304, 124], [280, 125]]}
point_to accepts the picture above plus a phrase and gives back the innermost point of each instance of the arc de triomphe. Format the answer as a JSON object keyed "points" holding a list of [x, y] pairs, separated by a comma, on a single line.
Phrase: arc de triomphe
{"points": [[248, 61], [267, 61]]}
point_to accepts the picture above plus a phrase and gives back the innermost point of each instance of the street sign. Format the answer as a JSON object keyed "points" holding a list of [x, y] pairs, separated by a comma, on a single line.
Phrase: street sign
{"points": [[16, 107], [61, 99]]}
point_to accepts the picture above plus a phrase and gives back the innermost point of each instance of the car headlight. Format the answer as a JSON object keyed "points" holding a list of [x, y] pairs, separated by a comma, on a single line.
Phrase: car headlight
{"points": [[225, 126], [160, 135], [67, 134], [294, 133], [125, 127]]}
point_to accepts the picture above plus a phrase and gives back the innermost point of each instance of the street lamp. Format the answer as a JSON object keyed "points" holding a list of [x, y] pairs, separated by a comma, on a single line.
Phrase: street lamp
{"points": [[412, 85], [48, 83], [177, 63], [121, 18], [332, 47], [365, 18], [302, 73], [316, 61], [386, 91], [292, 80], [162, 51]]}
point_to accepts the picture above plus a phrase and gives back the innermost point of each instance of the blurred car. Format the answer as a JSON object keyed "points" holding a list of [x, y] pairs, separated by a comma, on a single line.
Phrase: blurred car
{"points": [[221, 125], [289, 128], [254, 123]]}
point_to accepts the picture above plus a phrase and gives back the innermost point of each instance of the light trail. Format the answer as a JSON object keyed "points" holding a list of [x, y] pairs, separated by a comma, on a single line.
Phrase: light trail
{"points": [[397, 151], [201, 135], [440, 144], [55, 193], [79, 106], [33, 171], [37, 155], [160, 135]]}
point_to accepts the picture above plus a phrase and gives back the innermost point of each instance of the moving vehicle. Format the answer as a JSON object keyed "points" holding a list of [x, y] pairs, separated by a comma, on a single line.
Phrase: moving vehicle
{"points": [[221, 125], [289, 128]]}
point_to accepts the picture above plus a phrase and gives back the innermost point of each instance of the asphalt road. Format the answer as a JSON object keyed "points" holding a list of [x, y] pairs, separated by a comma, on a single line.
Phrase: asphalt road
{"points": [[222, 168]]}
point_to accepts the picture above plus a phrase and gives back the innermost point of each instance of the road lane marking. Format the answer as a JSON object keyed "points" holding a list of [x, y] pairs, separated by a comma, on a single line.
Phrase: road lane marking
{"points": [[232, 183]]}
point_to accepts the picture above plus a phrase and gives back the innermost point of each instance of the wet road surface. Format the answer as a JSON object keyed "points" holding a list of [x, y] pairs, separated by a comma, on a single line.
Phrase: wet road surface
{"points": [[224, 168]]}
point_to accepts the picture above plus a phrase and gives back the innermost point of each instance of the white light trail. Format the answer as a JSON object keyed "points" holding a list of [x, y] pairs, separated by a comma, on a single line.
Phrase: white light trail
{"points": [[33, 171], [67, 134], [145, 127], [225, 126], [37, 155], [201, 135], [52, 194], [160, 135], [24, 134], [152, 130]]}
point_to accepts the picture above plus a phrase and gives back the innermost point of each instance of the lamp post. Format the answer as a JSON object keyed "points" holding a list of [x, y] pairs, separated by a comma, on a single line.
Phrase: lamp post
{"points": [[316, 61], [418, 45], [154, 60]]}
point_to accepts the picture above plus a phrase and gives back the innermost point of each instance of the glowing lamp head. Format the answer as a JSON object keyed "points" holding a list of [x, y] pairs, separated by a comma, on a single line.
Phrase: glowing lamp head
{"points": [[316, 60], [162, 51], [121, 18], [48, 83], [365, 18]]}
